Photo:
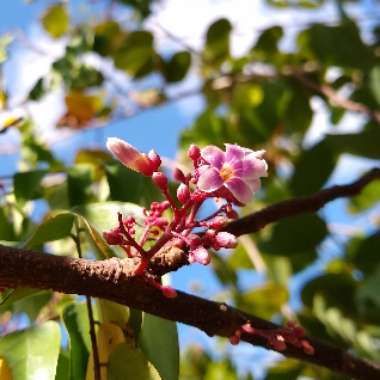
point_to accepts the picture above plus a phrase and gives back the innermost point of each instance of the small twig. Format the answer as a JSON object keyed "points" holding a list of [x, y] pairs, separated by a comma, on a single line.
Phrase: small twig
{"points": [[94, 343], [291, 207]]}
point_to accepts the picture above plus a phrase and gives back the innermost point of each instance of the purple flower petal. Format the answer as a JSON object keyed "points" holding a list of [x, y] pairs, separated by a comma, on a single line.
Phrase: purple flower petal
{"points": [[254, 168], [239, 189], [234, 152], [213, 155], [210, 180], [254, 184]]}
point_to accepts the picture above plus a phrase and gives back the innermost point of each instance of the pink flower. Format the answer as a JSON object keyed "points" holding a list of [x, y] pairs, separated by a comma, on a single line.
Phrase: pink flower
{"points": [[238, 170], [129, 156]]}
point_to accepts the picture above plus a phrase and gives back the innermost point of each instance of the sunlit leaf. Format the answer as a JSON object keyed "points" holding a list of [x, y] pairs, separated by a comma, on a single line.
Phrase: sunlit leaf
{"points": [[26, 354], [56, 20]]}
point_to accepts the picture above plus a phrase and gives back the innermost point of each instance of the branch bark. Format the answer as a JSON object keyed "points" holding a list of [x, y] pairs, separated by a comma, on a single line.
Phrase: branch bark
{"points": [[291, 207], [113, 279]]}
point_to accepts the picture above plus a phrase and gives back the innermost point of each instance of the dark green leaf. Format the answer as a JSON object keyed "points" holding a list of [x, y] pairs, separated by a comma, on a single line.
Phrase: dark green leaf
{"points": [[27, 185], [296, 234], [6, 227], [313, 168], [78, 353], [217, 47], [268, 40], [176, 68], [366, 256], [375, 83], [63, 366], [367, 198], [79, 181]]}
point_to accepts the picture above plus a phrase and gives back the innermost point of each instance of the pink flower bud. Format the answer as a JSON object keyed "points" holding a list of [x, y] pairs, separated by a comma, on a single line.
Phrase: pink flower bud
{"points": [[218, 222], [113, 237], [194, 152], [168, 292], [307, 347], [194, 240], [183, 193], [178, 175], [235, 339], [247, 328], [226, 240], [199, 255], [129, 156], [160, 180], [155, 160]]}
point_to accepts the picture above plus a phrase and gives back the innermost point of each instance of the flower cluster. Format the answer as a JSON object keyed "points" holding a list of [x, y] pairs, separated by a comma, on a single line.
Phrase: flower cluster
{"points": [[232, 175]]}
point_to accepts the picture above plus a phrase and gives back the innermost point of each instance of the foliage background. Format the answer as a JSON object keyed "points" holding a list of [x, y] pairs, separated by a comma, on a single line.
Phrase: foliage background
{"points": [[245, 80]]}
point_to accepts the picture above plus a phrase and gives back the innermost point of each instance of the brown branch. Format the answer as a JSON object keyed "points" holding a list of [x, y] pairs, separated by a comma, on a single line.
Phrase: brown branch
{"points": [[258, 220], [113, 279], [337, 100]]}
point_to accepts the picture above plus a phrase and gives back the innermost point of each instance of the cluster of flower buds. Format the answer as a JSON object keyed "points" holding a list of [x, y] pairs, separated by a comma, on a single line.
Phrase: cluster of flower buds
{"points": [[232, 176], [277, 339]]}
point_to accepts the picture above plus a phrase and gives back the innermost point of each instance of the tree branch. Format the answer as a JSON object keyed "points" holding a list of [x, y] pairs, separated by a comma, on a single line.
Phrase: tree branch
{"points": [[258, 220], [113, 279]]}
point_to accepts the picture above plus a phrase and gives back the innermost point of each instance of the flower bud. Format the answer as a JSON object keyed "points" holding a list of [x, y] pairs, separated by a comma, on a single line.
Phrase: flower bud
{"points": [[235, 338], [183, 193], [194, 152], [218, 222], [179, 175], [155, 160], [226, 240], [168, 292], [113, 237], [160, 180], [129, 156], [199, 255]]}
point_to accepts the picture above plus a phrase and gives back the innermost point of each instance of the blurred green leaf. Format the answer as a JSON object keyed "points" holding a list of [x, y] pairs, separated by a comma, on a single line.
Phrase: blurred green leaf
{"points": [[375, 83], [176, 68], [366, 255], [137, 55], [26, 354], [63, 366], [6, 226], [79, 181], [127, 363], [54, 227], [296, 234], [5, 41], [217, 46], [56, 20], [313, 168], [73, 317], [366, 199], [158, 339], [27, 185]]}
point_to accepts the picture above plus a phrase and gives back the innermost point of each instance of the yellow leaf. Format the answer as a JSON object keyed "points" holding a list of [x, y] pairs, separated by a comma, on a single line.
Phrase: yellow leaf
{"points": [[5, 371], [108, 337], [56, 20]]}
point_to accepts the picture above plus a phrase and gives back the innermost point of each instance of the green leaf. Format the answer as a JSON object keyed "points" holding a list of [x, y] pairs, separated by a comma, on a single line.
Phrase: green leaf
{"points": [[363, 144], [158, 339], [366, 256], [366, 199], [113, 312], [6, 227], [374, 78], [368, 298], [27, 185], [284, 370], [74, 317], [264, 301], [336, 289], [127, 363], [137, 55], [63, 366], [217, 47], [32, 304], [56, 20], [176, 68], [54, 227], [296, 234], [328, 44], [313, 168], [128, 186], [109, 37], [267, 43], [79, 181], [32, 353]]}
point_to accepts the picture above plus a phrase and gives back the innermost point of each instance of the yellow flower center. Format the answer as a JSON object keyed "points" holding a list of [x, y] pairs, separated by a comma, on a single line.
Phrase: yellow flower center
{"points": [[226, 172]]}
